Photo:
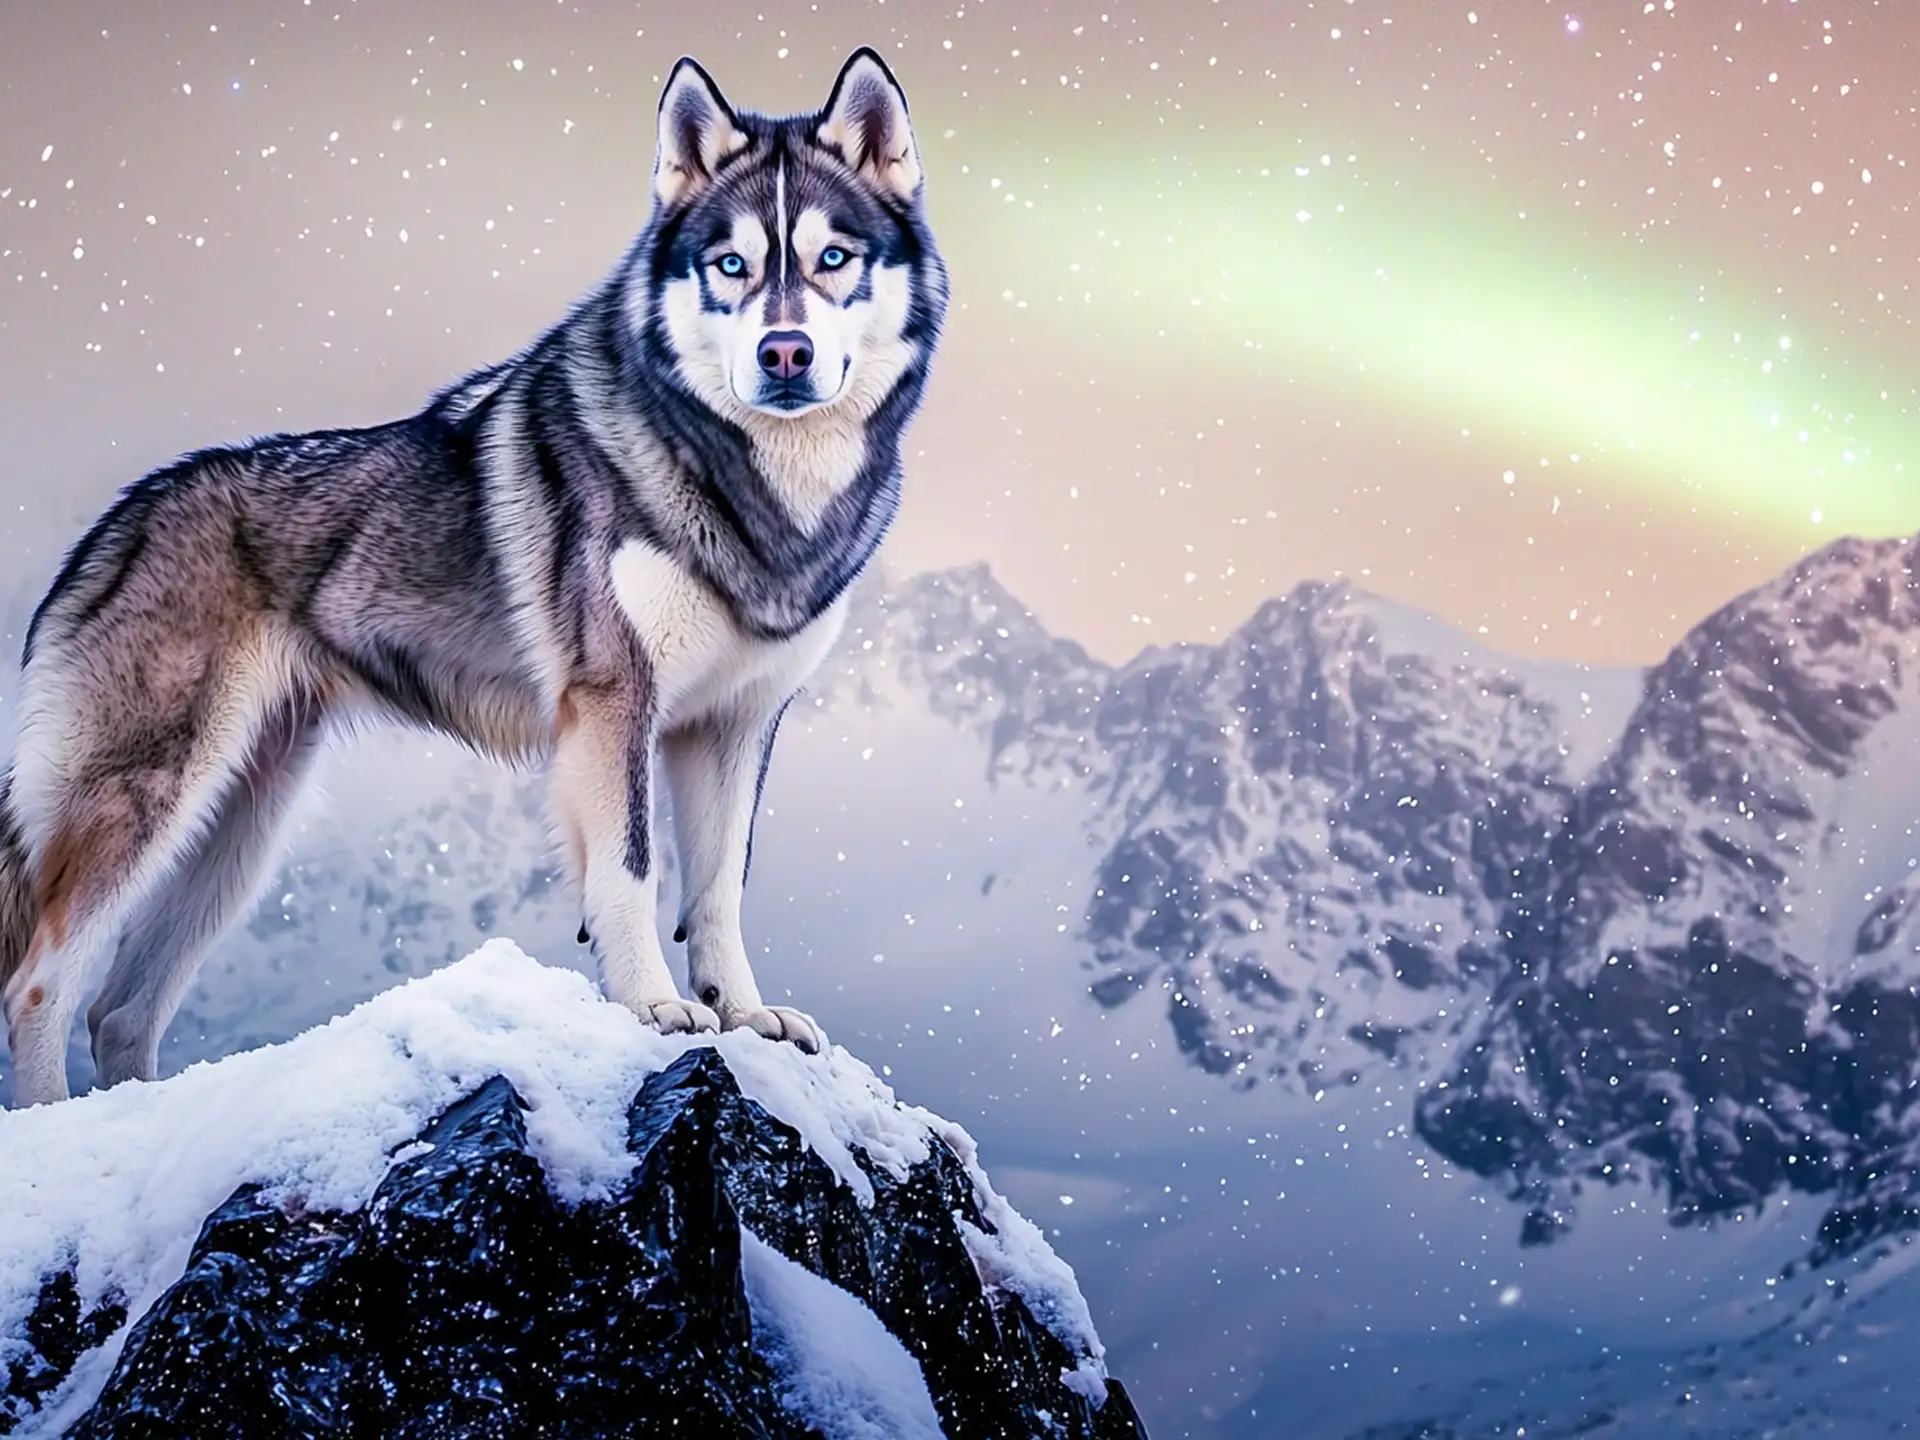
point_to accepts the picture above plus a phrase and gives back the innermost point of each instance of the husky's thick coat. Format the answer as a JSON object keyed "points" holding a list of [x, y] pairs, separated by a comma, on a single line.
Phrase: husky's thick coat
{"points": [[633, 541]]}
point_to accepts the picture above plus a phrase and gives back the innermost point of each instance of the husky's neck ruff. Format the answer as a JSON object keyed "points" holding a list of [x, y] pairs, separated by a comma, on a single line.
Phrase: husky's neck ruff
{"points": [[784, 490]]}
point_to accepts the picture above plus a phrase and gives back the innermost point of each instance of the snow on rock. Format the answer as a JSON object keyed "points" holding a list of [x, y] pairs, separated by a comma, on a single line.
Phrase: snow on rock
{"points": [[152, 1227], [1011, 1254], [838, 1367]]}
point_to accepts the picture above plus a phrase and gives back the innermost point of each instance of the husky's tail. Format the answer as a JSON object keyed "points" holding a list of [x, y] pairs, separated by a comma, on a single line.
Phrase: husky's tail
{"points": [[19, 912]]}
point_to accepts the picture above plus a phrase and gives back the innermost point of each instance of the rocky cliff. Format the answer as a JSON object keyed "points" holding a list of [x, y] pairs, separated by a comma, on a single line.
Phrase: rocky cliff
{"points": [[489, 1204]]}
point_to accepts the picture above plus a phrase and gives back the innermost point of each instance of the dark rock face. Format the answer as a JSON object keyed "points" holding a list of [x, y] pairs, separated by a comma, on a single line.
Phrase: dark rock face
{"points": [[57, 1335], [465, 1301]]}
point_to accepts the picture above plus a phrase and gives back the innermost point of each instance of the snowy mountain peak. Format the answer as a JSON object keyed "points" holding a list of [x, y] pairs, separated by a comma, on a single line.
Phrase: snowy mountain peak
{"points": [[1293, 823], [965, 606], [1317, 612], [1600, 906], [1765, 760], [1712, 966]]}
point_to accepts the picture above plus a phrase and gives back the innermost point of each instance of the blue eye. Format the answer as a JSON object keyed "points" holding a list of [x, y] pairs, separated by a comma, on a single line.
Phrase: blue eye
{"points": [[833, 257], [731, 265]]}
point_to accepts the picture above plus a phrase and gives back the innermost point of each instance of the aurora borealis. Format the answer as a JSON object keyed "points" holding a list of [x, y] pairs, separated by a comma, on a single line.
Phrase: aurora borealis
{"points": [[1561, 322], [1431, 300]]}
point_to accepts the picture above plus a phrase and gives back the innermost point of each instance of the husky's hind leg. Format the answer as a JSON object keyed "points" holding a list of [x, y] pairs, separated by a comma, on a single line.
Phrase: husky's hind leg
{"points": [[89, 873], [39, 999], [219, 879], [122, 766]]}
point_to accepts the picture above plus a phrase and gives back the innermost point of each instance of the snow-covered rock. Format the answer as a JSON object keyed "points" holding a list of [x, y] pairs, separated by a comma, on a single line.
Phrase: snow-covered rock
{"points": [[490, 1202]]}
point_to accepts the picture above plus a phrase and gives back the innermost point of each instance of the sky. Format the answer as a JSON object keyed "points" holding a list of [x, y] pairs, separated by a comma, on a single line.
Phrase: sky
{"points": [[1565, 322]]}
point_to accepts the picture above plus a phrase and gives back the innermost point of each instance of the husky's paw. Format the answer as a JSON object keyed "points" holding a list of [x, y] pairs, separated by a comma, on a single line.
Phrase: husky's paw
{"points": [[779, 1022], [674, 1017]]}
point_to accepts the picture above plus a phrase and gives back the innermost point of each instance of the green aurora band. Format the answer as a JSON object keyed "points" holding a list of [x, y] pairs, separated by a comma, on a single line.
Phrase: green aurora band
{"points": [[1409, 295]]}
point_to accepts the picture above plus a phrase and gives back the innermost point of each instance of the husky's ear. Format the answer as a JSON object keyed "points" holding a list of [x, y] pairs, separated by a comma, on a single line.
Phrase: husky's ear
{"points": [[697, 132], [866, 121]]}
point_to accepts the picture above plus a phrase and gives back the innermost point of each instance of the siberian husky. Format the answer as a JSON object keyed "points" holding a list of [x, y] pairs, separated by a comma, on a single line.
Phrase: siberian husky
{"points": [[631, 541]]}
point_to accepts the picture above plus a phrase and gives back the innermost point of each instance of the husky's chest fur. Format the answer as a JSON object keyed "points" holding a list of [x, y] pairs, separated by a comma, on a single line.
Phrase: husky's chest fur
{"points": [[701, 661]]}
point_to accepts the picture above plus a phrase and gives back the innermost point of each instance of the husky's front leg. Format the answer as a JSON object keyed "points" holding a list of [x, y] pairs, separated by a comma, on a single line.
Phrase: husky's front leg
{"points": [[602, 780], [715, 768]]}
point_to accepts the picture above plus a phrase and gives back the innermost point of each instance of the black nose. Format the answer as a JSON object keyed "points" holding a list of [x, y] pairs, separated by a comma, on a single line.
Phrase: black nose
{"points": [[786, 354]]}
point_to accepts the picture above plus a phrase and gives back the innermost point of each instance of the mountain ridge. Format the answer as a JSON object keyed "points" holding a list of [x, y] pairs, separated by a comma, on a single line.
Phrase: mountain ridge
{"points": [[1324, 849]]}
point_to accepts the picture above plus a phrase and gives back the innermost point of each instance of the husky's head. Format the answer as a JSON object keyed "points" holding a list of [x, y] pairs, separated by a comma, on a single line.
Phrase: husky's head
{"points": [[789, 269]]}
